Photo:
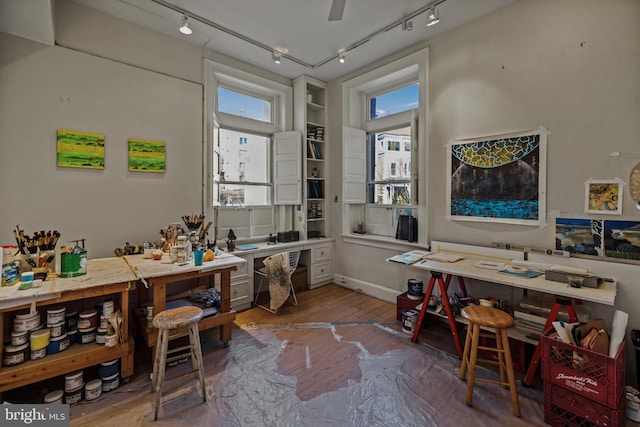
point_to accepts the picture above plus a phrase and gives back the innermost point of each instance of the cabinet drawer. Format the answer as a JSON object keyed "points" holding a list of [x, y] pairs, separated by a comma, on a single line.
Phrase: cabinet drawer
{"points": [[321, 253], [320, 273], [240, 294], [243, 269]]}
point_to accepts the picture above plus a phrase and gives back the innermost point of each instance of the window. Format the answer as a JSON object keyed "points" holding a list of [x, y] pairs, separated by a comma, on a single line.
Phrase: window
{"points": [[244, 113], [242, 168], [243, 105], [386, 114], [389, 171], [393, 101]]}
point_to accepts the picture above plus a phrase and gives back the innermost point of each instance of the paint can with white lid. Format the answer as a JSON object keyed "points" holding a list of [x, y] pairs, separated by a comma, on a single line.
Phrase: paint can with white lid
{"points": [[73, 380], [54, 397], [93, 389]]}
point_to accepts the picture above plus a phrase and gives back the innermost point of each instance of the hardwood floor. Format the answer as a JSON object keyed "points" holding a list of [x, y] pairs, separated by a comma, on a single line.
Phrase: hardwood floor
{"points": [[339, 358]]}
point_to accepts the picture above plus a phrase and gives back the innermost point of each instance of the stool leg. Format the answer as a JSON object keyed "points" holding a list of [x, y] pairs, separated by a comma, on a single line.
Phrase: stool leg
{"points": [[465, 354], [500, 351], [158, 369], [472, 362], [510, 373], [196, 356]]}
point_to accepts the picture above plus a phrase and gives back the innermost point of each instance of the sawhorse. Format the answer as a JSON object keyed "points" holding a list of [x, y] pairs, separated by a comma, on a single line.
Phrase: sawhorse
{"points": [[443, 285], [558, 303]]}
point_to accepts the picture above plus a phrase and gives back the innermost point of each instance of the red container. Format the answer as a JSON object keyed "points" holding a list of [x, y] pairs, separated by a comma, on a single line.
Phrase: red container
{"points": [[595, 376], [564, 408]]}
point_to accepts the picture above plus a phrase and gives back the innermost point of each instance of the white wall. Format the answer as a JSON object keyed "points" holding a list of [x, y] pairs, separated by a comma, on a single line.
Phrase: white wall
{"points": [[572, 66]]}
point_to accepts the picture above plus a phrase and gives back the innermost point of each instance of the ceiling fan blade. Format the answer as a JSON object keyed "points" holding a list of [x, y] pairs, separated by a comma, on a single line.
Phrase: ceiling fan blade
{"points": [[337, 9]]}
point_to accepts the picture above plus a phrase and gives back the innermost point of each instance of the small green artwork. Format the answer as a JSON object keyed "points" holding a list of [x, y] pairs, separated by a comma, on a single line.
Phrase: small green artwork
{"points": [[80, 149], [146, 156]]}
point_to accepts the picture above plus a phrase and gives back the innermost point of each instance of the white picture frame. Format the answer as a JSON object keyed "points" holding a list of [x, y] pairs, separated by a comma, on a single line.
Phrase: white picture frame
{"points": [[603, 196]]}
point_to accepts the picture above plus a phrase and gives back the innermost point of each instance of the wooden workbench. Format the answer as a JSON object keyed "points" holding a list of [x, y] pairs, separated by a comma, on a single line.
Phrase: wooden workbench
{"points": [[105, 277]]}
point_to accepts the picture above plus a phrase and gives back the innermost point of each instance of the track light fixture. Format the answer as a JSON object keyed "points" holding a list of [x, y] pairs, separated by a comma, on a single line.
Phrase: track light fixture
{"points": [[407, 25], [341, 57], [432, 16], [185, 28], [276, 56]]}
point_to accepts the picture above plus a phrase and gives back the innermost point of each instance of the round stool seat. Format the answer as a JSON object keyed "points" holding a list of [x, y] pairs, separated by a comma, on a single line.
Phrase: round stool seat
{"points": [[177, 317], [487, 316]]}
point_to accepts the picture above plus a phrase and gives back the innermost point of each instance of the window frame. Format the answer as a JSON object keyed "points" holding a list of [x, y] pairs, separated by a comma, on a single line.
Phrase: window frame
{"points": [[356, 95], [281, 97]]}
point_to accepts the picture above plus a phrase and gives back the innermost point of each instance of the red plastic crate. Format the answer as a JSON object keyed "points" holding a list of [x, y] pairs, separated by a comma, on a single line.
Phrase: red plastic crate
{"points": [[595, 376], [564, 408]]}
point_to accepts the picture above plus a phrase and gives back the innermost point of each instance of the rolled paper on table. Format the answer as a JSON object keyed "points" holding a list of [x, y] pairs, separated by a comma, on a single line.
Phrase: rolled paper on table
{"points": [[530, 265]]}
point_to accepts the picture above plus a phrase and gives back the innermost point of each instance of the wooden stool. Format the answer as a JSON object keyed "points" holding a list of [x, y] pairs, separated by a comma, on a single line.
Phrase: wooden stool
{"points": [[167, 321], [500, 321]]}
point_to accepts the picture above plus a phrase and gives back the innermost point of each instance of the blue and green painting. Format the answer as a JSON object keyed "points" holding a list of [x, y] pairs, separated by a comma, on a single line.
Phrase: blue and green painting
{"points": [[496, 178], [579, 235], [622, 239]]}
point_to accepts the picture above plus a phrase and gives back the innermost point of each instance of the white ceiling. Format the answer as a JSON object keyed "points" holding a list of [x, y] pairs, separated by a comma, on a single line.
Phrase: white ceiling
{"points": [[298, 27]]}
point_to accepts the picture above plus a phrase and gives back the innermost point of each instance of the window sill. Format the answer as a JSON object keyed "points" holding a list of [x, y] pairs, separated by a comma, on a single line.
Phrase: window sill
{"points": [[381, 242]]}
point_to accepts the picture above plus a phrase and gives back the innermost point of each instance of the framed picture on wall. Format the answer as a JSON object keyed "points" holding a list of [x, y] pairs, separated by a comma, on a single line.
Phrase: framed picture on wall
{"points": [[603, 196], [498, 178], [146, 156]]}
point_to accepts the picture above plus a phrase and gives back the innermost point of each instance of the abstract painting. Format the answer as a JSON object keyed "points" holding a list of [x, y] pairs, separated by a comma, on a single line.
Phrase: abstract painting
{"points": [[79, 149], [498, 178], [603, 196], [622, 239], [579, 235], [146, 156]]}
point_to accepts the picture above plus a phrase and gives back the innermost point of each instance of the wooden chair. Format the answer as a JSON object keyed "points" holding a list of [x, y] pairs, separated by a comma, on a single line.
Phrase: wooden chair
{"points": [[166, 321], [293, 257], [488, 317]]}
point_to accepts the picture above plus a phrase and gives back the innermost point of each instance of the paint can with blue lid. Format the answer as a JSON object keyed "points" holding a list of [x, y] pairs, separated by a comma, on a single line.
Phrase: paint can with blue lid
{"points": [[108, 369]]}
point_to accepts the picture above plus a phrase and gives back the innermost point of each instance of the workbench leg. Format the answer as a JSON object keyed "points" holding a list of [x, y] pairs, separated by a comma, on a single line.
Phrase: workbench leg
{"points": [[425, 304], [450, 316], [553, 315]]}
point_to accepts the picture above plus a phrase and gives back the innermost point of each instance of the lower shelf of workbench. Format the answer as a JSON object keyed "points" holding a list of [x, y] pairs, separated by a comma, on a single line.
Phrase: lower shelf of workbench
{"points": [[76, 357]]}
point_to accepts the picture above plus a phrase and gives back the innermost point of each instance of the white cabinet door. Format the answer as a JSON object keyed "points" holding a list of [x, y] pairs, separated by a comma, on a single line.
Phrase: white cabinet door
{"points": [[287, 168]]}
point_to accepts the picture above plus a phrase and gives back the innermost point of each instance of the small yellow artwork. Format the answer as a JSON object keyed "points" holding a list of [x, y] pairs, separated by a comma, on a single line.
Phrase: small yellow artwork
{"points": [[604, 197]]}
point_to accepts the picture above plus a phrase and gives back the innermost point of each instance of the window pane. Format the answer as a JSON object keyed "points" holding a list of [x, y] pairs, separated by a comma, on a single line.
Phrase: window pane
{"points": [[242, 105], [390, 167], [395, 101], [243, 195], [243, 157], [390, 193]]}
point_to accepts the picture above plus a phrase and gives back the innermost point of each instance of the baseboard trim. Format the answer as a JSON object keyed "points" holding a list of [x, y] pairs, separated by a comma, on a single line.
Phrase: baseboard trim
{"points": [[366, 288]]}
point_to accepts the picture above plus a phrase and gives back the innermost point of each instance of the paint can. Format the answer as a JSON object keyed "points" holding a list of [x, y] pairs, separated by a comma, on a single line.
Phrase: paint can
{"points": [[73, 381], [108, 369], [38, 354], [14, 355], [93, 389], [58, 344], [111, 383], [88, 319], [55, 315], [414, 289], [40, 339], [633, 404], [409, 321], [71, 320], [19, 337], [85, 336], [73, 264], [72, 397], [54, 397]]}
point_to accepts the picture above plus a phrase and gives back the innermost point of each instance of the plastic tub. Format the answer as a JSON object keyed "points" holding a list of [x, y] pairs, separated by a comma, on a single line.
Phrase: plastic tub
{"points": [[55, 396], [100, 334], [108, 369], [111, 383], [58, 344], [73, 381], [93, 389], [85, 336], [40, 339], [72, 397], [73, 336], [111, 340], [14, 355], [71, 319], [55, 315], [38, 354], [26, 322], [19, 338], [88, 319], [57, 329]]}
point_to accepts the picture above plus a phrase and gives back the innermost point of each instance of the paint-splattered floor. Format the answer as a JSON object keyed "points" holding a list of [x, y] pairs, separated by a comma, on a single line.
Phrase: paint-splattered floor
{"points": [[315, 374]]}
